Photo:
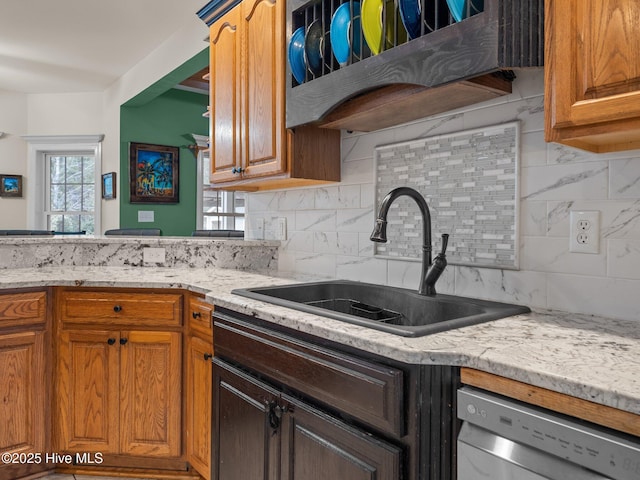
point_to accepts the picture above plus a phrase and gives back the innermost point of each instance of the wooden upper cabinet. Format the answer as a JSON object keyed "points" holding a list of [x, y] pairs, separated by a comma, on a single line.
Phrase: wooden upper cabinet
{"points": [[592, 84], [250, 147], [263, 132], [224, 94]]}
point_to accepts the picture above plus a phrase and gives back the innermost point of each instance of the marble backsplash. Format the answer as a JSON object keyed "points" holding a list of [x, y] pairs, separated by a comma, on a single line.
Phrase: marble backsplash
{"points": [[328, 227], [29, 252]]}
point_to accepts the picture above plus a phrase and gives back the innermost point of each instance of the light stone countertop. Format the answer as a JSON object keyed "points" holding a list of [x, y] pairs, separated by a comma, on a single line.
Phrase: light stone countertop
{"points": [[592, 358]]}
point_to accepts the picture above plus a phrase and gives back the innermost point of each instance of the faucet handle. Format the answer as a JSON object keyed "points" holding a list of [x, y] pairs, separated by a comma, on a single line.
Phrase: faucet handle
{"points": [[445, 241]]}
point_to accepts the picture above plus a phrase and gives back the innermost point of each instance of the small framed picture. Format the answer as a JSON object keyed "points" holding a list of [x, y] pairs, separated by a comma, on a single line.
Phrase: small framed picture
{"points": [[109, 185], [10, 185]]}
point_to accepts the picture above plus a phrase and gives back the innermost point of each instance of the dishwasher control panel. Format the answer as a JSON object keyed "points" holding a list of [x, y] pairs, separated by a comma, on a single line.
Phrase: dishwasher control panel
{"points": [[593, 447]]}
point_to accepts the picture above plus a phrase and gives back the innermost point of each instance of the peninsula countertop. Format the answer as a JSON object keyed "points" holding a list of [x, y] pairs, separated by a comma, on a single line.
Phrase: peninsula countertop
{"points": [[592, 358]]}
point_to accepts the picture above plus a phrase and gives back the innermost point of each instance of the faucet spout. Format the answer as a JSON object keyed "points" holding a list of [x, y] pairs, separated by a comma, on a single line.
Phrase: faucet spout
{"points": [[379, 234]]}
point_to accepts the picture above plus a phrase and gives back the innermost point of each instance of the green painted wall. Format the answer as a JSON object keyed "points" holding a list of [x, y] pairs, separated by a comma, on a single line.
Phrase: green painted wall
{"points": [[168, 119]]}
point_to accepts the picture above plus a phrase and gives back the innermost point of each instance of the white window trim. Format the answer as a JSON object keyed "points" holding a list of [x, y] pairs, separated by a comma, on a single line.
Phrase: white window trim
{"points": [[202, 142], [39, 146]]}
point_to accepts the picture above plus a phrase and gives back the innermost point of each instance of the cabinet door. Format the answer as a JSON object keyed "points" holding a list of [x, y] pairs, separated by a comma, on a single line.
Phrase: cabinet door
{"points": [[592, 69], [224, 83], [22, 392], [316, 446], [150, 393], [87, 391], [199, 405], [263, 132], [246, 445]]}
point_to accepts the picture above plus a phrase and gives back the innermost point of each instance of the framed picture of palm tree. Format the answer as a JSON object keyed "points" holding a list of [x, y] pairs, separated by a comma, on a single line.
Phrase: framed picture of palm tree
{"points": [[153, 173]]}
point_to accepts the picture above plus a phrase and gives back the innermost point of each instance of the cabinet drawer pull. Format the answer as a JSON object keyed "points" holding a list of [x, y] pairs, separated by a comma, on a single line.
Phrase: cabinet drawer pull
{"points": [[208, 356], [196, 315], [111, 341], [117, 308], [123, 341]]}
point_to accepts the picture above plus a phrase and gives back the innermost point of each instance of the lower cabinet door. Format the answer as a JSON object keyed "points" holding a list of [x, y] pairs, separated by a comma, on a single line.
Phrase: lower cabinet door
{"points": [[316, 446], [23, 404], [246, 445], [87, 391], [199, 399], [150, 393], [260, 433]]}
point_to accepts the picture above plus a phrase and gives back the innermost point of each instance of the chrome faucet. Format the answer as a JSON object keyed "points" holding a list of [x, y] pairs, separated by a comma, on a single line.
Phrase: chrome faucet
{"points": [[428, 277]]}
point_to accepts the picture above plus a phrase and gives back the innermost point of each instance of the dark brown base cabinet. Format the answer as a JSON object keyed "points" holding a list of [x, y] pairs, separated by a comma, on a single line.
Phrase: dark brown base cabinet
{"points": [[290, 406]]}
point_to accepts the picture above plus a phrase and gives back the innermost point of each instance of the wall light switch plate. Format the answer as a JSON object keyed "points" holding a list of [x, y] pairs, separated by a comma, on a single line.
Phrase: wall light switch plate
{"points": [[281, 228], [145, 216], [258, 229], [153, 255], [584, 231]]}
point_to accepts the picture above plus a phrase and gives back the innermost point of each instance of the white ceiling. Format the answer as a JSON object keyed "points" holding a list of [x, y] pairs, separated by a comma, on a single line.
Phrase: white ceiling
{"points": [[58, 46]]}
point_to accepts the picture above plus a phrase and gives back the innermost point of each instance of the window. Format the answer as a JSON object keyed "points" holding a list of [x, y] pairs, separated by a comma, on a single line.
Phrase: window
{"points": [[71, 192], [222, 210], [64, 192], [218, 210]]}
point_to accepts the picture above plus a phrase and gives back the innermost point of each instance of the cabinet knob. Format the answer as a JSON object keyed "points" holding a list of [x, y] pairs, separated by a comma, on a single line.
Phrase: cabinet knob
{"points": [[196, 314], [111, 341], [208, 356], [117, 308], [123, 341], [237, 170]]}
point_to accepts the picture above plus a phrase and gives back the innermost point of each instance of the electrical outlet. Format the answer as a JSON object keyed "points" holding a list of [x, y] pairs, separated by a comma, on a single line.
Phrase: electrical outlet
{"points": [[153, 255], [584, 231]]}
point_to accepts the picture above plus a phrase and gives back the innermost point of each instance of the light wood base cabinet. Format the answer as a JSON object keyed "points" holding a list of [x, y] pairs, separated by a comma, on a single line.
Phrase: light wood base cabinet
{"points": [[24, 383], [119, 392], [198, 385], [119, 388], [199, 405], [23, 400]]}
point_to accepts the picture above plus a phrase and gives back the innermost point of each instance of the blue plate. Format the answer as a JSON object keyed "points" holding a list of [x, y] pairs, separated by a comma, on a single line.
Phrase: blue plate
{"points": [[460, 8], [410, 14], [342, 26], [315, 47], [296, 55]]}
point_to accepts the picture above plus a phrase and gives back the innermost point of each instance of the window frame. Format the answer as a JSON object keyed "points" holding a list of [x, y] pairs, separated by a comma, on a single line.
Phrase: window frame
{"points": [[203, 156], [38, 148], [48, 212]]}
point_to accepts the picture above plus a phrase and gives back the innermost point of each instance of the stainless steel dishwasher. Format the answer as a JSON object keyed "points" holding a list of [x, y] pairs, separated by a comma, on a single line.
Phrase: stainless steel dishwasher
{"points": [[503, 439]]}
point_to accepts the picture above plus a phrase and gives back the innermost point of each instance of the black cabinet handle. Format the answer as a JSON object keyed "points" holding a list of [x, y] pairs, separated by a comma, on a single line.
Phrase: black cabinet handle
{"points": [[117, 308], [196, 315], [111, 341], [208, 356], [274, 415], [123, 341], [237, 170]]}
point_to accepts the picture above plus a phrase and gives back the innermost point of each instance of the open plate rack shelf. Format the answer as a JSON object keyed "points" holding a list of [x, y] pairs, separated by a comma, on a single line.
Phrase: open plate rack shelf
{"points": [[469, 61]]}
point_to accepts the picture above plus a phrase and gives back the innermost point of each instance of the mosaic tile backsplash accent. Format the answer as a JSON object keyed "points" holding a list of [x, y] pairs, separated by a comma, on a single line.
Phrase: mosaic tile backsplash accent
{"points": [[469, 180]]}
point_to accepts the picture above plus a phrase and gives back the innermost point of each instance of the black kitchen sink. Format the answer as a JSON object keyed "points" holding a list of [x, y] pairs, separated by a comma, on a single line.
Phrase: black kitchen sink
{"points": [[390, 309]]}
